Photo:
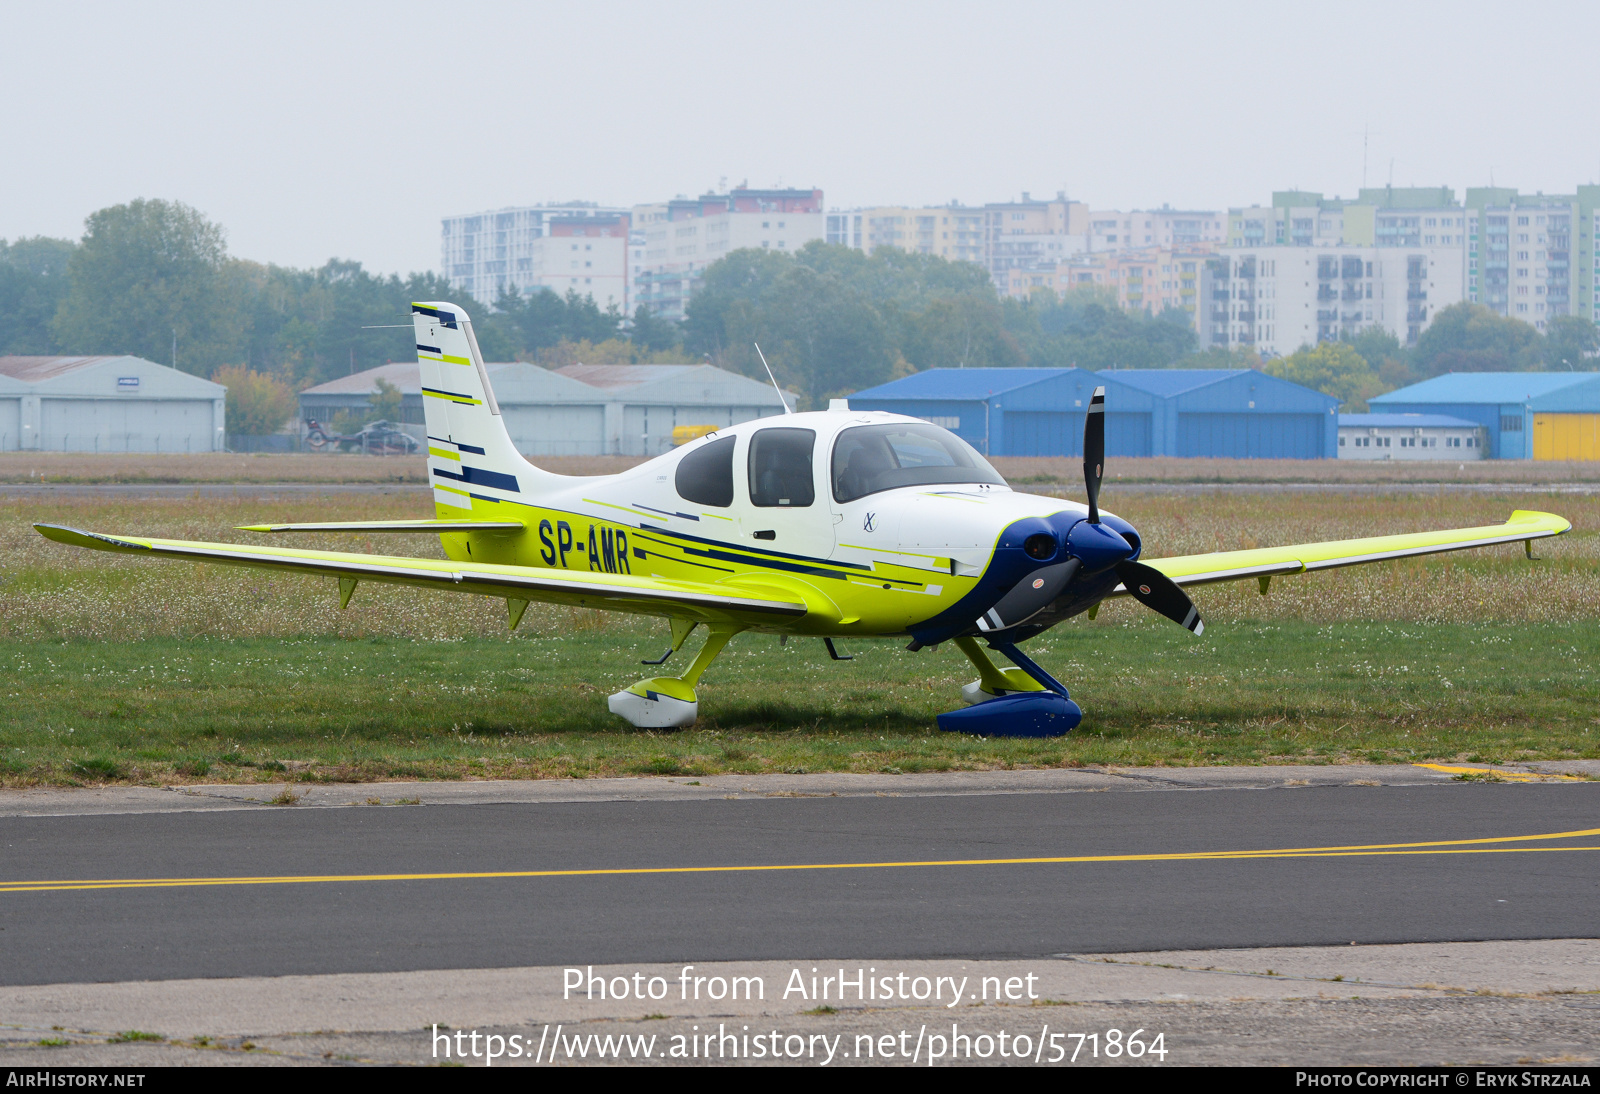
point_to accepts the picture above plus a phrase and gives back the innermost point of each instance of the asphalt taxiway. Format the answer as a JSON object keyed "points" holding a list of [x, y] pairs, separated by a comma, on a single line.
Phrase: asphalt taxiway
{"points": [[213, 884]]}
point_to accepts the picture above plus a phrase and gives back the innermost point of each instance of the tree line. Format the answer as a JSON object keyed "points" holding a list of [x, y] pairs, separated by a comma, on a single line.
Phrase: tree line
{"points": [[155, 279]]}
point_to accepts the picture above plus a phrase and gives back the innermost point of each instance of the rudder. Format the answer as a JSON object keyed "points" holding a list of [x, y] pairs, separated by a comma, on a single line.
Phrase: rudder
{"points": [[470, 454]]}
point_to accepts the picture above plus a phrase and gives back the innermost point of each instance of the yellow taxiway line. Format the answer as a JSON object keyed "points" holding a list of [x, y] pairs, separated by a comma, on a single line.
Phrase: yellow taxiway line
{"points": [[1500, 773], [1434, 847]]}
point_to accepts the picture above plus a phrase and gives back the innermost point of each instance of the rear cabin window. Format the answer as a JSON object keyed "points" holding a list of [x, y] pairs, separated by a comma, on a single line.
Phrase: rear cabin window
{"points": [[870, 458], [705, 475], [781, 469]]}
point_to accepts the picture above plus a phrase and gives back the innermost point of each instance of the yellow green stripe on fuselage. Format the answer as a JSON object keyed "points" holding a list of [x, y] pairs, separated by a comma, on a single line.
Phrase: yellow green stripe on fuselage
{"points": [[887, 596]]}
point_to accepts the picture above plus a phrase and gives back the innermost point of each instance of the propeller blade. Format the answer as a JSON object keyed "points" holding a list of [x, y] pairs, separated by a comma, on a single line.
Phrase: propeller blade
{"points": [[1094, 451], [1158, 592], [1029, 597]]}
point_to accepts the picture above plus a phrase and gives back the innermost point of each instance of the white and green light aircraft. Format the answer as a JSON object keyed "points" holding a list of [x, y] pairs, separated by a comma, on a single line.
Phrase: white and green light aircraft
{"points": [[836, 524]]}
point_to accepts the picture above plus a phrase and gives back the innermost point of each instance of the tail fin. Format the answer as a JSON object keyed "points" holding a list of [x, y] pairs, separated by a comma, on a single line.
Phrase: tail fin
{"points": [[469, 450]]}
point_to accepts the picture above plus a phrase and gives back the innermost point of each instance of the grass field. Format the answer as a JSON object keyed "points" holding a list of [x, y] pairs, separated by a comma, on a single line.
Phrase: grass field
{"points": [[227, 467], [158, 672]]}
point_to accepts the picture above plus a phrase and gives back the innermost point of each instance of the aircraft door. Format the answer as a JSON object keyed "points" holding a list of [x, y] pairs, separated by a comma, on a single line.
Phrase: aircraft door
{"points": [[786, 510]]}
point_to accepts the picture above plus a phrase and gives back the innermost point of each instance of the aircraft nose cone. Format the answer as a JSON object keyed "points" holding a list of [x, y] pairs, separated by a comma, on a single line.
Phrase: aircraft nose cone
{"points": [[1097, 546]]}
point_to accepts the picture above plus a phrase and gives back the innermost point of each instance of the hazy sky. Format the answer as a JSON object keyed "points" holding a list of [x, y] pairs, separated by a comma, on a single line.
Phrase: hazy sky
{"points": [[342, 129]]}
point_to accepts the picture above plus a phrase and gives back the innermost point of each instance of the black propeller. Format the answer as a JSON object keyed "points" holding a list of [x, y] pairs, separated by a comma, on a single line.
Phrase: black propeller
{"points": [[1094, 451], [1030, 596], [1158, 592], [1149, 586], [1093, 548]]}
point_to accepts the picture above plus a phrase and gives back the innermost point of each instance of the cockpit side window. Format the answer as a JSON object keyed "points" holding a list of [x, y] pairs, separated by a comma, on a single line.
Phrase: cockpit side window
{"points": [[870, 458], [781, 468], [705, 475]]}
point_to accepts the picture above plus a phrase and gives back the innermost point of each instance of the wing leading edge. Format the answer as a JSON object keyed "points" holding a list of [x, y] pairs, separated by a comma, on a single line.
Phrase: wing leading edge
{"points": [[1524, 527], [616, 592]]}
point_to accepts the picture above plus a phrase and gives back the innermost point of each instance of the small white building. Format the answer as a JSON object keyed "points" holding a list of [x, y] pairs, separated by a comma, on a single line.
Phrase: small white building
{"points": [[107, 404], [1408, 437]]}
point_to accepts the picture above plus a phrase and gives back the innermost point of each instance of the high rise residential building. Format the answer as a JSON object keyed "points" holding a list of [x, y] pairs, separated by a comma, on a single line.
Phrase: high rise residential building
{"points": [[1533, 257], [1296, 218], [1150, 279], [484, 253], [1024, 244], [1275, 299], [1529, 257], [954, 231], [845, 227], [1034, 236], [683, 236], [585, 255], [1112, 230]]}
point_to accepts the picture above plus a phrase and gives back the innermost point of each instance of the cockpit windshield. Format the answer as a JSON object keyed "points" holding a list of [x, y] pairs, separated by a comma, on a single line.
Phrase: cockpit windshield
{"points": [[870, 458]]}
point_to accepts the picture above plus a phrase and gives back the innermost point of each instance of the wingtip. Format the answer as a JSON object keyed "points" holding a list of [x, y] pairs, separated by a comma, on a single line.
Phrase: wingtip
{"points": [[75, 537]]}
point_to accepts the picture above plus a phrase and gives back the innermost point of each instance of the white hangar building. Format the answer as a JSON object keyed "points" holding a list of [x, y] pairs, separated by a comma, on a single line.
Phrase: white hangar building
{"points": [[1409, 437], [579, 410], [107, 404]]}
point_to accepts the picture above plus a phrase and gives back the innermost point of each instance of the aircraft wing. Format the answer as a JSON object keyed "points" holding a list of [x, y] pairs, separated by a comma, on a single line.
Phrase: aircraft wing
{"points": [[615, 592], [392, 526], [1524, 526]]}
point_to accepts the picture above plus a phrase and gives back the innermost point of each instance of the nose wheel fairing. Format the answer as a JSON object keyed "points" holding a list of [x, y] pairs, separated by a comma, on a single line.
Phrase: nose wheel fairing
{"points": [[1047, 711]]}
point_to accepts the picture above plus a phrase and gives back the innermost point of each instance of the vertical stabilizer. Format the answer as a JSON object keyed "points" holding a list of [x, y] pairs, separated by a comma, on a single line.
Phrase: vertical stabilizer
{"points": [[470, 454]]}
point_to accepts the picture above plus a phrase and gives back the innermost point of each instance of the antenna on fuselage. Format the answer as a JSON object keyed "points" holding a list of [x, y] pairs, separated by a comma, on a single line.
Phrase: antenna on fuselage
{"points": [[774, 379]]}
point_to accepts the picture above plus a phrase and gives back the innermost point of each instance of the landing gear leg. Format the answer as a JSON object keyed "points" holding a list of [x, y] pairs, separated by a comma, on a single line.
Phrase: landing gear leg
{"points": [[1042, 710], [670, 702], [992, 682]]}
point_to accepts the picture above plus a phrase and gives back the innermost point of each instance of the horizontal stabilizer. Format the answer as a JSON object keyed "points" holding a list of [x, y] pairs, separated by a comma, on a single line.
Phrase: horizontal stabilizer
{"points": [[392, 526]]}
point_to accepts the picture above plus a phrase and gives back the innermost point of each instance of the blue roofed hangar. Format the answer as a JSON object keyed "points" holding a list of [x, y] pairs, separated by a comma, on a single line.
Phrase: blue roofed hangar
{"points": [[1149, 412], [1524, 415]]}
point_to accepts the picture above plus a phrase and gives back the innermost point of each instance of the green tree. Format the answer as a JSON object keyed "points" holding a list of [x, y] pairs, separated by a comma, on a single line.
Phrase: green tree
{"points": [[820, 338], [538, 320], [651, 333], [1376, 345], [728, 293], [1570, 343], [966, 331], [1085, 328], [313, 325], [586, 322], [257, 403], [1388, 358], [150, 276], [1471, 338], [33, 280], [1333, 368]]}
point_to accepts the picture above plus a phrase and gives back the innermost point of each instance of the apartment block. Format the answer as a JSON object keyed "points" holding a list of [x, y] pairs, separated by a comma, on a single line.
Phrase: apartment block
{"points": [[1151, 279], [483, 254], [1276, 299], [955, 232], [1111, 230], [676, 240], [1296, 218], [845, 227], [586, 255], [1533, 257], [1030, 235]]}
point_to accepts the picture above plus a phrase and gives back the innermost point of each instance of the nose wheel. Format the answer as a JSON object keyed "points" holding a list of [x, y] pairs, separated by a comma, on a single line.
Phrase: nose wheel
{"points": [[1024, 701]]}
